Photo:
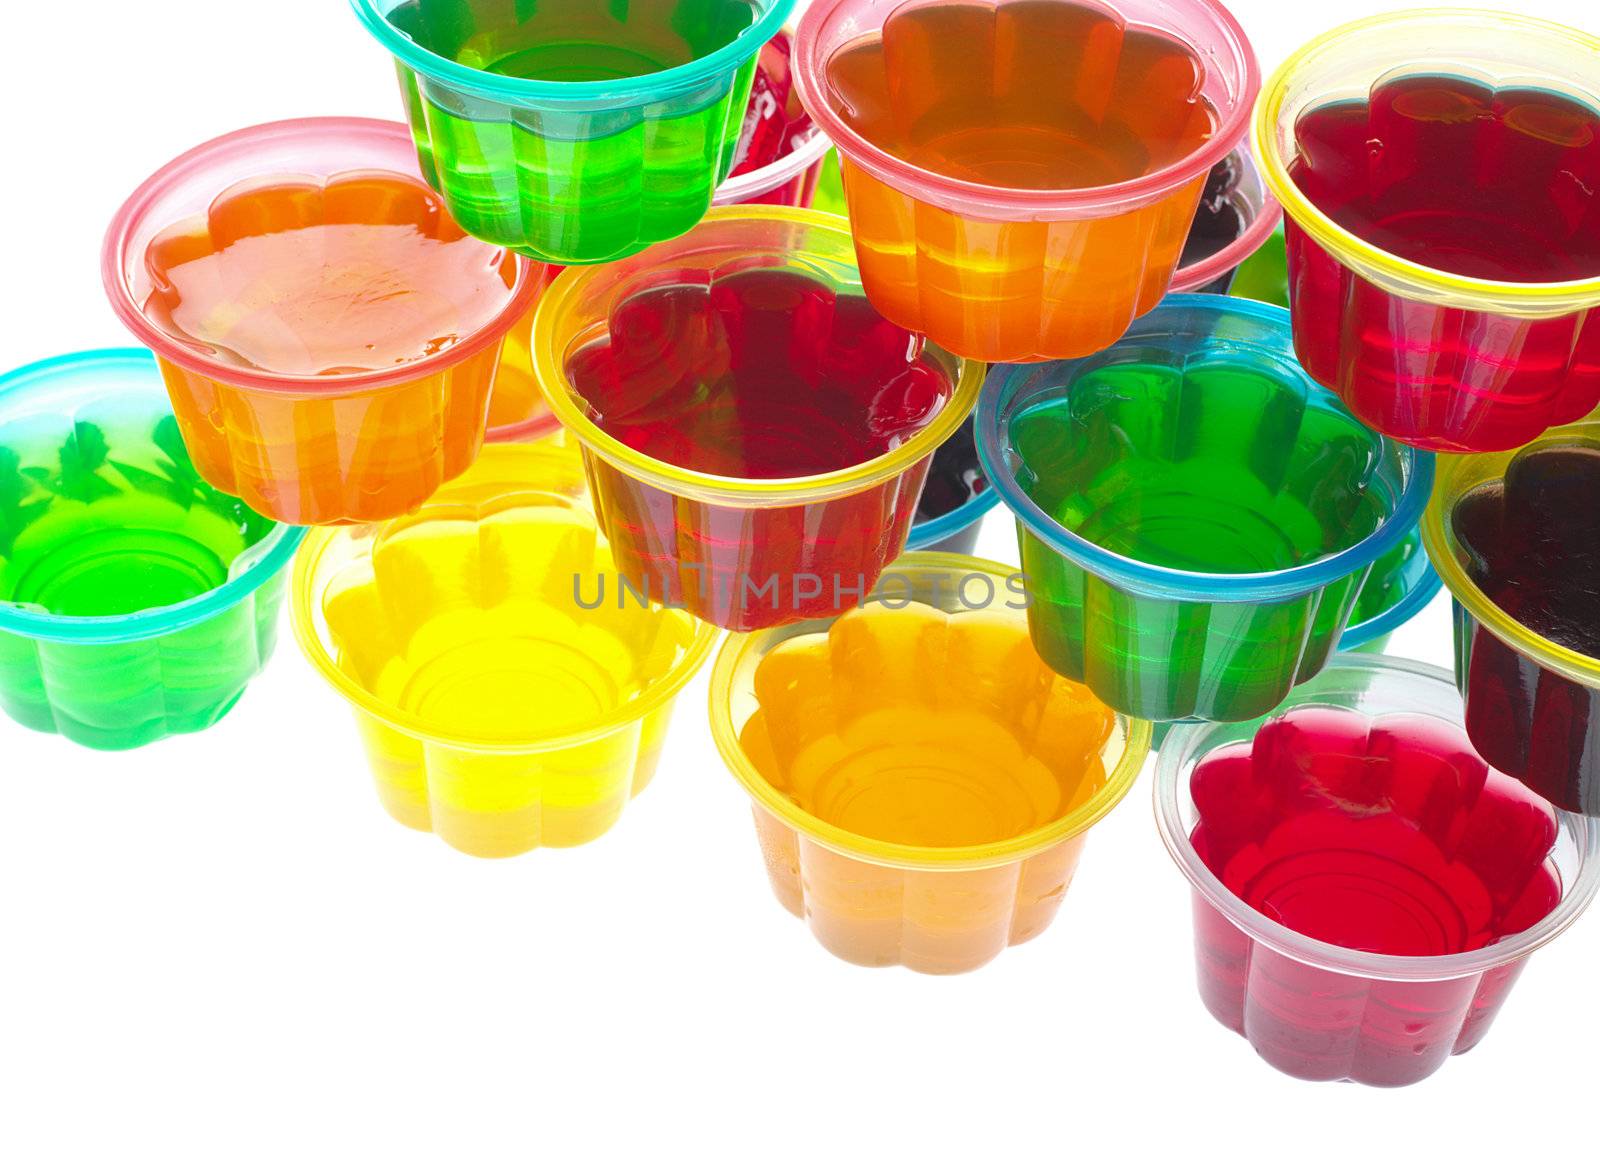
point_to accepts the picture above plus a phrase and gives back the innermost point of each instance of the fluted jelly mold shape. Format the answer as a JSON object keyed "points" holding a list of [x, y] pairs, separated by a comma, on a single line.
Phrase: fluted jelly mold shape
{"points": [[509, 696], [925, 639], [80, 434], [1324, 1012], [321, 449], [1167, 643], [575, 172], [1433, 358], [1012, 275]]}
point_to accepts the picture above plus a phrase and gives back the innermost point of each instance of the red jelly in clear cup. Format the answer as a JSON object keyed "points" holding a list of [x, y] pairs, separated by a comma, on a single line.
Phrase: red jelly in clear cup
{"points": [[756, 435], [1438, 172], [1366, 888]]}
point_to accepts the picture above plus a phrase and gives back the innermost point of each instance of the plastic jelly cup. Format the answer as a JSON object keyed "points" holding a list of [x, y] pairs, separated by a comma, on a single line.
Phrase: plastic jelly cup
{"points": [[499, 707], [1007, 274], [1487, 364], [324, 449], [1264, 274], [741, 553], [787, 181], [1533, 705], [574, 172], [936, 696], [1319, 1011], [954, 531], [1262, 466], [1401, 584], [136, 602], [1247, 195]]}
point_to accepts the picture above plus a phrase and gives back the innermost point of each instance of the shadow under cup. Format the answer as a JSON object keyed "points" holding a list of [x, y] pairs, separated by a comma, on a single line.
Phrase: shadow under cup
{"points": [[500, 706], [1323, 1012]]}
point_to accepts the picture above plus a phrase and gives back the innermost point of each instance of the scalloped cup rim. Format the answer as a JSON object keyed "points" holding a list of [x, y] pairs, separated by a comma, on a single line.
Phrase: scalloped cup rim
{"points": [[235, 145], [1145, 578], [1575, 896], [1119, 777]]}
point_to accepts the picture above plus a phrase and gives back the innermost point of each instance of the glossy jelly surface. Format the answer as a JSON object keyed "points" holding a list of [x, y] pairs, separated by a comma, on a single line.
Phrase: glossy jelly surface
{"points": [[551, 136], [1384, 834], [757, 374], [1029, 94], [363, 273], [922, 782], [498, 709], [103, 517], [1025, 96], [1481, 182], [1196, 516], [1530, 541]]}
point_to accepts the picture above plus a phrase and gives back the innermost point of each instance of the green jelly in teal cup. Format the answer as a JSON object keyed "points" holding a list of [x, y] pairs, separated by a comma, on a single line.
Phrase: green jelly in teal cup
{"points": [[136, 601], [1197, 517], [573, 131]]}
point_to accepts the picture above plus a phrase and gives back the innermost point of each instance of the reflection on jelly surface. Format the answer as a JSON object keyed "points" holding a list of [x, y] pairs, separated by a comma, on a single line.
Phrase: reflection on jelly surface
{"points": [[572, 40], [295, 277], [1022, 94], [1485, 183], [1531, 542], [1218, 221], [116, 522], [910, 726], [1386, 835], [954, 478], [1214, 468], [760, 374]]}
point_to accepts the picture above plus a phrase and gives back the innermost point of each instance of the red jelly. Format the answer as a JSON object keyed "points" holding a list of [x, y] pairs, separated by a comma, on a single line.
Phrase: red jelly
{"points": [[1485, 183], [1531, 542], [759, 375], [1388, 835]]}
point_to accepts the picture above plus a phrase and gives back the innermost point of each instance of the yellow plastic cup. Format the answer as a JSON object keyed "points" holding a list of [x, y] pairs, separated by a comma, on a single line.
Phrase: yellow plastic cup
{"points": [[922, 783], [498, 710]]}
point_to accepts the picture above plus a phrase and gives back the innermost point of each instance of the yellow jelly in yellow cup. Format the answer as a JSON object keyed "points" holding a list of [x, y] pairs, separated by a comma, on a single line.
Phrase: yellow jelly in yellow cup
{"points": [[922, 783], [502, 706]]}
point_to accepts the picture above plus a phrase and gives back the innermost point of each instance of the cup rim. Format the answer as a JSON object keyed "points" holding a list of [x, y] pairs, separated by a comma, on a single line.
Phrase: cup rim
{"points": [[303, 607], [1549, 654], [1119, 779], [272, 552], [238, 144], [1575, 896], [735, 189], [1260, 586], [810, 80], [1392, 618], [526, 91], [550, 368], [1202, 272], [1549, 297]]}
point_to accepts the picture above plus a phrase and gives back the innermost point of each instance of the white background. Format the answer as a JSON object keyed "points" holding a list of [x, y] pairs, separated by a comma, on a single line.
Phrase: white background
{"points": [[218, 952]]}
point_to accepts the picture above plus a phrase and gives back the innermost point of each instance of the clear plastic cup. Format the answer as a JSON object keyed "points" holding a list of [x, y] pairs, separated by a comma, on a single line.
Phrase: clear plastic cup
{"points": [[501, 706], [927, 712], [1007, 274], [573, 171], [741, 553], [1257, 502], [1533, 704], [787, 181], [319, 449], [1429, 356], [136, 601], [1234, 193], [779, 131], [1323, 1012]]}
